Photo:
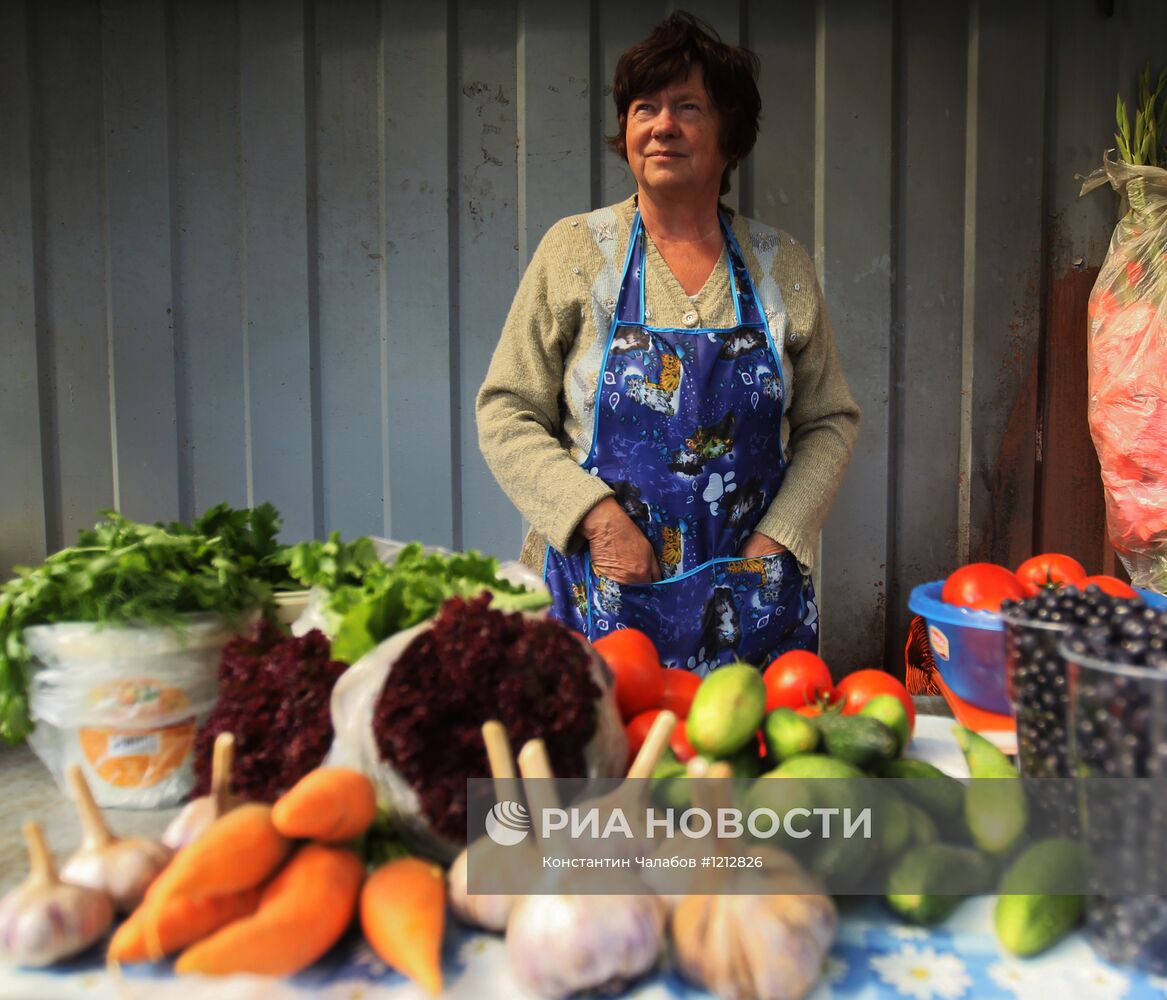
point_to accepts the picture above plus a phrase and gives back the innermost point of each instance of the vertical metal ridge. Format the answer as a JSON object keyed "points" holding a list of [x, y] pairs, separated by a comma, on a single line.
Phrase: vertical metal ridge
{"points": [[244, 308], [898, 348], [595, 103], [45, 336], [521, 239], [178, 330], [745, 169], [968, 310], [454, 189], [107, 264], [1044, 277], [311, 68], [820, 138], [383, 274]]}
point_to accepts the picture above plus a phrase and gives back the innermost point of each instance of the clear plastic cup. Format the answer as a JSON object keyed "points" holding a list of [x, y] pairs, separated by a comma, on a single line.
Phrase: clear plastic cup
{"points": [[1118, 729], [1036, 678]]}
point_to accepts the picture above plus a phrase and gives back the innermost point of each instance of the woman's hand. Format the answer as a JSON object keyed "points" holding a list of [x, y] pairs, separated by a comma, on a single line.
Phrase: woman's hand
{"points": [[619, 549], [758, 545]]}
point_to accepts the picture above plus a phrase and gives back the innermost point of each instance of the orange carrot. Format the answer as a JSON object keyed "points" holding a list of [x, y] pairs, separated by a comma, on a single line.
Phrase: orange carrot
{"points": [[238, 851], [403, 915], [302, 913], [329, 804], [183, 921]]}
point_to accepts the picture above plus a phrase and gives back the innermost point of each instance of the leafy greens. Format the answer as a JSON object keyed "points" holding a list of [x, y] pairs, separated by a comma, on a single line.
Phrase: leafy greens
{"points": [[121, 572]]}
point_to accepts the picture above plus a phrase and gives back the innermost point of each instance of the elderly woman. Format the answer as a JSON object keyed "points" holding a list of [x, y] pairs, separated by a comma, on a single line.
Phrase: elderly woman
{"points": [[666, 405]]}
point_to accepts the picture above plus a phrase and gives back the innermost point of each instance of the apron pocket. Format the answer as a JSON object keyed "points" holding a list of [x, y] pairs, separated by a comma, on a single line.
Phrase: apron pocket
{"points": [[691, 619], [774, 600]]}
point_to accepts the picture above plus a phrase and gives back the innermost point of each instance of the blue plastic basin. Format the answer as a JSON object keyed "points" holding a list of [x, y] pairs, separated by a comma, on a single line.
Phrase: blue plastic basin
{"points": [[969, 646]]}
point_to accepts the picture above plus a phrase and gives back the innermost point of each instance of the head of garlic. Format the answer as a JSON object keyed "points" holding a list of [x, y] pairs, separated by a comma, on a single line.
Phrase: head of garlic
{"points": [[123, 867], [770, 947], [44, 919], [489, 911], [198, 814], [564, 944]]}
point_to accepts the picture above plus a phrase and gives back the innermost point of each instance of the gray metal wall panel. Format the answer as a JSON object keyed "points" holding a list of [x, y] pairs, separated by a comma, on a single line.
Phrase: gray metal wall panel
{"points": [[348, 259], [69, 159], [621, 23], [1003, 255], [856, 252], [418, 437], [137, 167], [555, 132], [337, 200], [282, 458], [782, 164], [22, 499], [930, 262], [488, 266], [208, 258]]}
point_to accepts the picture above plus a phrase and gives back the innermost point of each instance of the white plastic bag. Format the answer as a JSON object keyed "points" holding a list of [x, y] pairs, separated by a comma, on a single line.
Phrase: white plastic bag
{"points": [[125, 703], [354, 699]]}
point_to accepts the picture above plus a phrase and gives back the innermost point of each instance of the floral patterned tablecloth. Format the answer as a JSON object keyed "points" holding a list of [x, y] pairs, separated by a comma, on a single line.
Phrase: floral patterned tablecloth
{"points": [[875, 957]]}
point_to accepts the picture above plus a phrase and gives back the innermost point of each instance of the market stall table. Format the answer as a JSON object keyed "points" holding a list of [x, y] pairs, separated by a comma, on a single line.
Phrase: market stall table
{"points": [[875, 955]]}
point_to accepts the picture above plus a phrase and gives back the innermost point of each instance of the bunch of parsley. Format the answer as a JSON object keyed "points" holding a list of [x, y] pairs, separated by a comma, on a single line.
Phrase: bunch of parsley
{"points": [[121, 571]]}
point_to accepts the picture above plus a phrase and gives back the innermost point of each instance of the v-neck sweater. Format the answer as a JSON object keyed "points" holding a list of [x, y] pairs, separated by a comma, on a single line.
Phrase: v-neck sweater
{"points": [[536, 408]]}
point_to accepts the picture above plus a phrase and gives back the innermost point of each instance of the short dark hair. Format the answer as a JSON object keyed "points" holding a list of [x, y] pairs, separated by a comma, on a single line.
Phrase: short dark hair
{"points": [[676, 46]]}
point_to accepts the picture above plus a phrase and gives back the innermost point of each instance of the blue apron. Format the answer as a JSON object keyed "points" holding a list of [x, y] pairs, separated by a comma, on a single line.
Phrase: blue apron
{"points": [[688, 433]]}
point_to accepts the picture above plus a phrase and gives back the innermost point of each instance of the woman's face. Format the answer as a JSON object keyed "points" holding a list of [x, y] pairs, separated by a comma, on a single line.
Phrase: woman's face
{"points": [[672, 141]]}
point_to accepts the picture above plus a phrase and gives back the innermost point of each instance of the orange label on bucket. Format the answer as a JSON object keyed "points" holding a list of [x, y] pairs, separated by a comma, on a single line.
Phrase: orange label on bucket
{"points": [[939, 642], [128, 752], [137, 758]]}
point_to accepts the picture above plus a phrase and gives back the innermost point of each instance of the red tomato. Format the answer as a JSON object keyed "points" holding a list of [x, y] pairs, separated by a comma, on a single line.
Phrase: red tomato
{"points": [[797, 678], [1108, 585], [810, 711], [1050, 569], [637, 733], [680, 745], [680, 687], [983, 586], [859, 688], [636, 666]]}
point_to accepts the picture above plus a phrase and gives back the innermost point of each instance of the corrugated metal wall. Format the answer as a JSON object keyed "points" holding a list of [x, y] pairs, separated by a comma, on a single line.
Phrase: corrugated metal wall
{"points": [[262, 250]]}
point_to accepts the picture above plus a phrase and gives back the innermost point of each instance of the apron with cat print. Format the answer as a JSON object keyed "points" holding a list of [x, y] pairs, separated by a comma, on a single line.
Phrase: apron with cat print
{"points": [[688, 434]]}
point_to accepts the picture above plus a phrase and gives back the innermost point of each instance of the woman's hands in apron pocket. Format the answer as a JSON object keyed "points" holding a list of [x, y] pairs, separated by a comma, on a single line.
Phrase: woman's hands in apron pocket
{"points": [[758, 545], [619, 549]]}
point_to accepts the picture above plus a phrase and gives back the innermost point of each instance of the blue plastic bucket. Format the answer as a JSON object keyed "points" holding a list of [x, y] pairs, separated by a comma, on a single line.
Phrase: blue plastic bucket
{"points": [[969, 646]]}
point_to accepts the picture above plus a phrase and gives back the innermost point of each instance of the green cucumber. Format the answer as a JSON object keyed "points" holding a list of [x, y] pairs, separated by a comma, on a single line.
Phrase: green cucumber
{"points": [[995, 807], [1031, 915], [939, 794], [787, 733], [931, 880], [858, 739]]}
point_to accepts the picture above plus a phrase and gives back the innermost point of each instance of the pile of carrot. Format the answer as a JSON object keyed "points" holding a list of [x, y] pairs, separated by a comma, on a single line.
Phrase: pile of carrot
{"points": [[270, 889]]}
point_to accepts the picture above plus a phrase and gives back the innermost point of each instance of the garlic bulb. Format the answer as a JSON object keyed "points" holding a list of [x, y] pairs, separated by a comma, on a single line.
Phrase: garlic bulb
{"points": [[560, 945], [486, 910], [755, 947], [200, 813], [44, 919], [121, 867]]}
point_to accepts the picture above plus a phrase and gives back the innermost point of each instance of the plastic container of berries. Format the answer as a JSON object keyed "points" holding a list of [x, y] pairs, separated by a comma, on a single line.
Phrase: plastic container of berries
{"points": [[1035, 673], [1117, 676]]}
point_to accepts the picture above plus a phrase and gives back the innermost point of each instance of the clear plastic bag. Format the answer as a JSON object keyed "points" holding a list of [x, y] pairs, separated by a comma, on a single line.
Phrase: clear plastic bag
{"points": [[1127, 363], [125, 703], [353, 701]]}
